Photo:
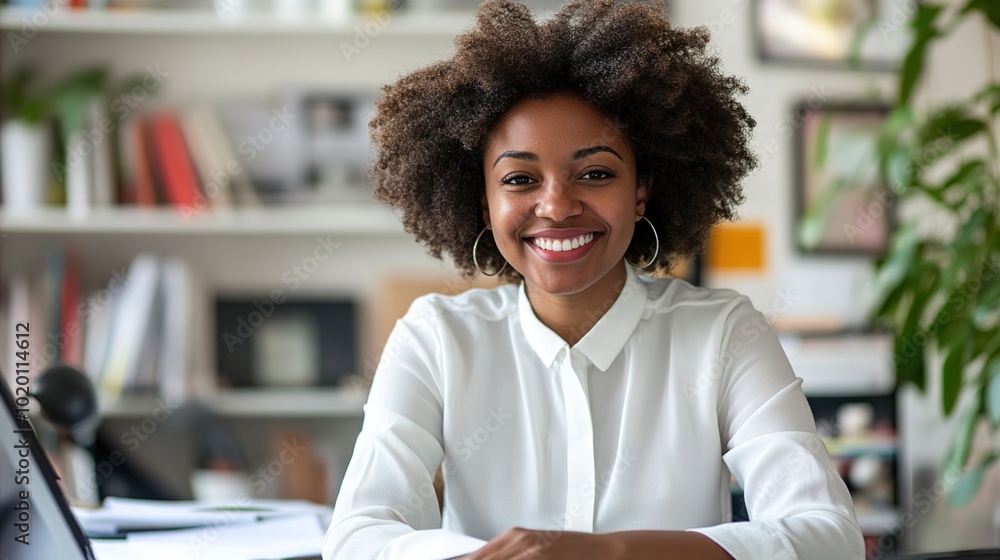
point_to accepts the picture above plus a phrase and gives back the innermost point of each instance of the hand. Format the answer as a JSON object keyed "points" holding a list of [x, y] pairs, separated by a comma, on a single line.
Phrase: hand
{"points": [[528, 544]]}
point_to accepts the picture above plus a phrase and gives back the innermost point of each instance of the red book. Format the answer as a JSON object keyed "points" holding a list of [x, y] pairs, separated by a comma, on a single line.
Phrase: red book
{"points": [[180, 179], [70, 323], [140, 186]]}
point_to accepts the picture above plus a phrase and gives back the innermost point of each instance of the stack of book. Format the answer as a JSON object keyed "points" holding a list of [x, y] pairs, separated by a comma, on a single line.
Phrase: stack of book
{"points": [[167, 156], [144, 332]]}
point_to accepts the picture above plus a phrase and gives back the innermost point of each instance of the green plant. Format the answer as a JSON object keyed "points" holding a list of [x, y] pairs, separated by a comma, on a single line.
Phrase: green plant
{"points": [[20, 99], [67, 100], [940, 290]]}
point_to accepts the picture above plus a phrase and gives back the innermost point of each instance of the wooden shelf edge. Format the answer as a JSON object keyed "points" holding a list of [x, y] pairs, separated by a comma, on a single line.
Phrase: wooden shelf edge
{"points": [[318, 402], [194, 22], [336, 219]]}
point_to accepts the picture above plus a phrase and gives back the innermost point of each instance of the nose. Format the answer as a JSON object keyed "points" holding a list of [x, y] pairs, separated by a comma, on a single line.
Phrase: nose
{"points": [[558, 200]]}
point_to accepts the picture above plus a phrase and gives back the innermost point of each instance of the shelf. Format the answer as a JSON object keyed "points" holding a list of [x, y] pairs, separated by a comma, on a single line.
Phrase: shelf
{"points": [[857, 447], [349, 219], [313, 402], [188, 22]]}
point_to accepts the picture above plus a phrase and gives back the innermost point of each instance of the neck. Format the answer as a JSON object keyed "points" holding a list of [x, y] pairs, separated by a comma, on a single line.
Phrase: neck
{"points": [[571, 316]]}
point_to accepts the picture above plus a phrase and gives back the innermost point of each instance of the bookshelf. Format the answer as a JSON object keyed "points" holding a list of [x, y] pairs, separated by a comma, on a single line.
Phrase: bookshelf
{"points": [[238, 251]]}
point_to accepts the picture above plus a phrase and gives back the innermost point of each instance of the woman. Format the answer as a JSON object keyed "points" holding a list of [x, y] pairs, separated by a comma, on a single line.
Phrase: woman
{"points": [[580, 410]]}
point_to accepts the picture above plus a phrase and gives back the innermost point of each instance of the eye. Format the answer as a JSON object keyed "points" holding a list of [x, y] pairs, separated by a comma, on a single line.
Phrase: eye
{"points": [[515, 179], [597, 174]]}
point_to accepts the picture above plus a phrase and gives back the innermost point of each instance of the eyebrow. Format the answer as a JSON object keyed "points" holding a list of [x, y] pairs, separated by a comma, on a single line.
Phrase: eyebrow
{"points": [[532, 157]]}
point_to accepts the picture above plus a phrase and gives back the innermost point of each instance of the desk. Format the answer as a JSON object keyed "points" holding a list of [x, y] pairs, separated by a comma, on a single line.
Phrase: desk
{"points": [[271, 539]]}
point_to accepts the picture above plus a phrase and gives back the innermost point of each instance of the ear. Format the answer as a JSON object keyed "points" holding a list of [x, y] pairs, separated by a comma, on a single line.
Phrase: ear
{"points": [[642, 196], [485, 207]]}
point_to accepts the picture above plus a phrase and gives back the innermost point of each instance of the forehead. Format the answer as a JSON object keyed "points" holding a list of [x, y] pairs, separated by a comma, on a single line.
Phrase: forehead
{"points": [[558, 124]]}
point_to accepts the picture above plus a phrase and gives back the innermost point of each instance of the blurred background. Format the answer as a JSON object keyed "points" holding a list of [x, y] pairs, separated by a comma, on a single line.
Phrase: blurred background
{"points": [[184, 217]]}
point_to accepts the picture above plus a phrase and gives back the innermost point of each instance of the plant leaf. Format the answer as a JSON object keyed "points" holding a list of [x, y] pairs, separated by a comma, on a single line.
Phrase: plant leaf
{"points": [[952, 372], [968, 486], [992, 372], [816, 215], [913, 65], [961, 446], [909, 362], [860, 32]]}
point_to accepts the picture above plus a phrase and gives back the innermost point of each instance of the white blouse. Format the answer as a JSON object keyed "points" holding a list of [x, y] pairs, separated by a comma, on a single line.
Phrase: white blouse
{"points": [[637, 426]]}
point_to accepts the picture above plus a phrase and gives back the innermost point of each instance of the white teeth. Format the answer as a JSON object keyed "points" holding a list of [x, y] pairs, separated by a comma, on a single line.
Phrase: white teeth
{"points": [[564, 244]]}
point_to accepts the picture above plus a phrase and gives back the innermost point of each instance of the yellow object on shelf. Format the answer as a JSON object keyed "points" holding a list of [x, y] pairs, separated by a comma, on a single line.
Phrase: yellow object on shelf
{"points": [[736, 247]]}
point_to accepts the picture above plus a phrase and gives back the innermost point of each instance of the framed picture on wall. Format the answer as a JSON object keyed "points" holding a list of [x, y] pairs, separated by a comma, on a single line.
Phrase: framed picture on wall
{"points": [[841, 204], [829, 32]]}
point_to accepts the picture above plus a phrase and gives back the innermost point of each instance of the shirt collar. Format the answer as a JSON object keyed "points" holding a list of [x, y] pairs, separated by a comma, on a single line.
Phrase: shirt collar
{"points": [[604, 341]]}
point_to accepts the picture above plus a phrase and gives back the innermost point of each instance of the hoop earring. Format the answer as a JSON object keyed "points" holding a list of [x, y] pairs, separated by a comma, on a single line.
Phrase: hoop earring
{"points": [[475, 261], [655, 253]]}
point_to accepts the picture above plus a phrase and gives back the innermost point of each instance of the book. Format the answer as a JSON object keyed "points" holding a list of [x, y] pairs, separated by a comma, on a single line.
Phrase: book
{"points": [[173, 162], [174, 359], [102, 158], [52, 281], [130, 322], [243, 190], [78, 171], [212, 168], [137, 166], [70, 324], [98, 308]]}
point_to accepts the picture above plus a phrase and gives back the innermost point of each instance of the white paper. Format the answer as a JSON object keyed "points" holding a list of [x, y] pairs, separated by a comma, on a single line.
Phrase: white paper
{"points": [[122, 514], [276, 538]]}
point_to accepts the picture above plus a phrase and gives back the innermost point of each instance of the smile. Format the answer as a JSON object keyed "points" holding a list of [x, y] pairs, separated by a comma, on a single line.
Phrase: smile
{"points": [[563, 250], [563, 244]]}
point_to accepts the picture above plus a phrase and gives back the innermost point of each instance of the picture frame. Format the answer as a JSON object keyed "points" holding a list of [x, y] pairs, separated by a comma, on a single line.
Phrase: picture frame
{"points": [[822, 34], [262, 342], [841, 205]]}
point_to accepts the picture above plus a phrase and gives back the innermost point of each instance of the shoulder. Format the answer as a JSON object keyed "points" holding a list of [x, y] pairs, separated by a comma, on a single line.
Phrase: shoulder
{"points": [[676, 298], [472, 305]]}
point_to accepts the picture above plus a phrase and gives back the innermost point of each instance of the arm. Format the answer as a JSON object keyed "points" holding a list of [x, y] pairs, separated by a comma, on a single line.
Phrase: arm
{"points": [[664, 545], [799, 506], [387, 493]]}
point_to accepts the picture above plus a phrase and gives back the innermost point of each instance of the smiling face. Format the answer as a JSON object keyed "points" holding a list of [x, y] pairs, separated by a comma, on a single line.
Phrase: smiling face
{"points": [[560, 175]]}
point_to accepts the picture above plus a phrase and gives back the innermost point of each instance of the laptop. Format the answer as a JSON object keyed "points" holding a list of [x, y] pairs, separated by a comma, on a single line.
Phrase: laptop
{"points": [[35, 520]]}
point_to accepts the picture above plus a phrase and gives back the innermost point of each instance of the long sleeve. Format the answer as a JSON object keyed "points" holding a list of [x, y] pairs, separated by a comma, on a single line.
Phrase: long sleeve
{"points": [[799, 507], [387, 493]]}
